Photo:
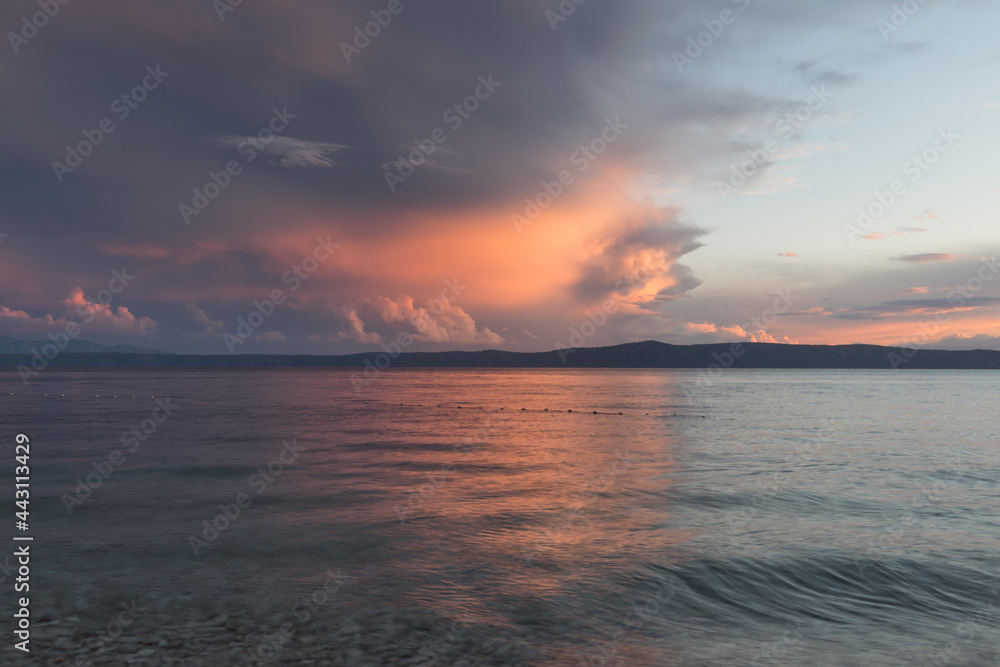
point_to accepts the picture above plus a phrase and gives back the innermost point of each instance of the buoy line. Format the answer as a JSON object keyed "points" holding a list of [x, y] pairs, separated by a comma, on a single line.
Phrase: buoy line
{"points": [[415, 405], [458, 406]]}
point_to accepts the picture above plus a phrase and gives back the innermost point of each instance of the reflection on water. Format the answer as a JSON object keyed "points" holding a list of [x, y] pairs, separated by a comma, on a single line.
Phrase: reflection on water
{"points": [[490, 517]]}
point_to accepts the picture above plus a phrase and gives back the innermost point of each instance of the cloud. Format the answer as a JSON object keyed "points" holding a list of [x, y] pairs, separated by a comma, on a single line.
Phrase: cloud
{"points": [[763, 337], [911, 307], [270, 337], [386, 318], [19, 321], [708, 332], [899, 231], [915, 290], [93, 317], [927, 257], [355, 330], [137, 251], [286, 151], [102, 318], [815, 74], [964, 341], [774, 180], [701, 327], [759, 336], [212, 327], [635, 256], [353, 118], [787, 254]]}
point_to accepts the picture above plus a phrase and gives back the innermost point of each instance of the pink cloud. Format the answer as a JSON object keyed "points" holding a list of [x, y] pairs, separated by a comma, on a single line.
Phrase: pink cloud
{"points": [[104, 318], [20, 321], [90, 315]]}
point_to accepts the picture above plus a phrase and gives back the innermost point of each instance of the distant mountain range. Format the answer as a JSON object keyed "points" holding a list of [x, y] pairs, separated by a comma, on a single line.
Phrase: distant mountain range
{"points": [[647, 354], [74, 346]]}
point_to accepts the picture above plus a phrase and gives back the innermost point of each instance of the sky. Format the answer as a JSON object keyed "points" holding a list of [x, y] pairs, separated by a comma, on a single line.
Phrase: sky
{"points": [[305, 177]]}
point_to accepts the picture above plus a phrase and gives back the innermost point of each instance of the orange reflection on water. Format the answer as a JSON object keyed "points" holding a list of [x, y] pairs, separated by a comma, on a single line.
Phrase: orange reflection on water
{"points": [[500, 510]]}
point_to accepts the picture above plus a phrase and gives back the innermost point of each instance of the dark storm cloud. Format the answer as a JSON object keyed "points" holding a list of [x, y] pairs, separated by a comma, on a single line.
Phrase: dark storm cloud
{"points": [[347, 121], [225, 77]]}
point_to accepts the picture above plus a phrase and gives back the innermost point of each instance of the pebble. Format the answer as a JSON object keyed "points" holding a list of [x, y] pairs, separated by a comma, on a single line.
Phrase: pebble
{"points": [[394, 639]]}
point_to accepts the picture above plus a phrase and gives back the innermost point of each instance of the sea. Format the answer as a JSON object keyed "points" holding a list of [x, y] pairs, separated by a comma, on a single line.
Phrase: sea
{"points": [[505, 517]]}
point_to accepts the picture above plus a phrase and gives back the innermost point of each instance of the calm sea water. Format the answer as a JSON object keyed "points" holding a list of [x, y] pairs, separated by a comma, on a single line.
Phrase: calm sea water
{"points": [[762, 518]]}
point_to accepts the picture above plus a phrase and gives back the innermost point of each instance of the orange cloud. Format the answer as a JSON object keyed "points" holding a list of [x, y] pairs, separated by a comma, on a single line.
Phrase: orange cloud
{"points": [[440, 322], [701, 327]]}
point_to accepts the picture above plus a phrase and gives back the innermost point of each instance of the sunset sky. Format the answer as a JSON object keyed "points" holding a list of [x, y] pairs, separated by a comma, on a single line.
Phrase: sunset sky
{"points": [[659, 170]]}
